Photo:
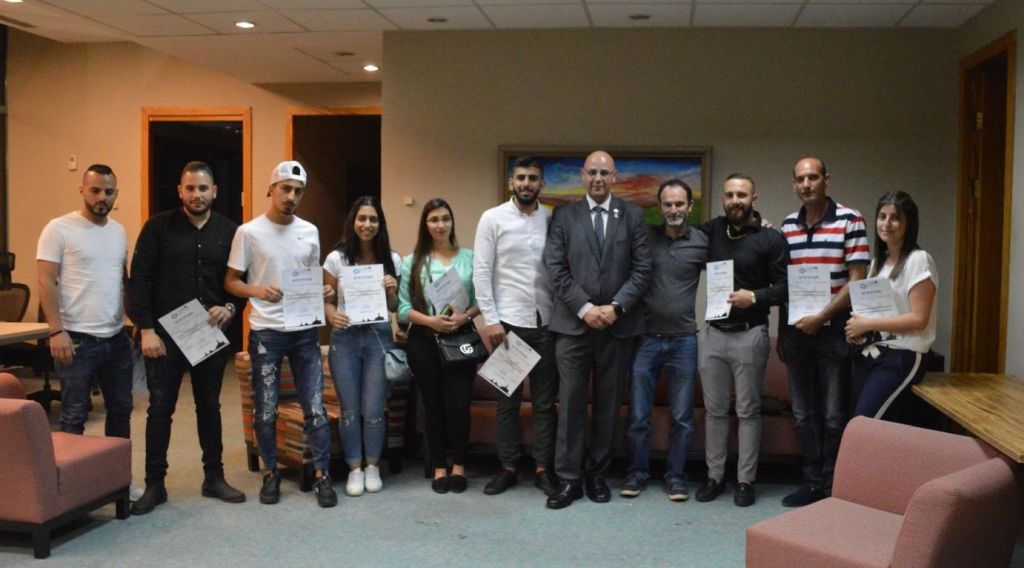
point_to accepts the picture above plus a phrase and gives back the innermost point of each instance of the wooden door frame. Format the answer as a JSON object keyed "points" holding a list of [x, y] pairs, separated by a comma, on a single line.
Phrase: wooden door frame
{"points": [[1007, 45], [200, 114], [289, 142]]}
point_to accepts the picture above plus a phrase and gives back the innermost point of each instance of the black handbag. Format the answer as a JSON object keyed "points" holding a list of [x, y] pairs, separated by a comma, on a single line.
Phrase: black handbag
{"points": [[464, 347]]}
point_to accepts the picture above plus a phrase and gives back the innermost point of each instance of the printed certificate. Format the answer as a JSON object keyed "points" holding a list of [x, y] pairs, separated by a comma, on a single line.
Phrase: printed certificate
{"points": [[873, 297], [810, 290], [190, 328], [507, 367], [365, 300], [720, 285], [448, 291], [303, 301]]}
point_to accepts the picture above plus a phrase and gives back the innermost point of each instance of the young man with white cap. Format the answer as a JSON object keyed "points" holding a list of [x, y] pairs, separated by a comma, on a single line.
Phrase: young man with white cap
{"points": [[263, 248]]}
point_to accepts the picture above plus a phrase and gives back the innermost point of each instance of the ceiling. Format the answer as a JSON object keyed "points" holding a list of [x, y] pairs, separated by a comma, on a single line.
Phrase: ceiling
{"points": [[331, 40]]}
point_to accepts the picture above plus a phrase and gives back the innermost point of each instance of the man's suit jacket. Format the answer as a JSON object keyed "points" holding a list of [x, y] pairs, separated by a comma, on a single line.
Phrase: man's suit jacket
{"points": [[581, 273]]}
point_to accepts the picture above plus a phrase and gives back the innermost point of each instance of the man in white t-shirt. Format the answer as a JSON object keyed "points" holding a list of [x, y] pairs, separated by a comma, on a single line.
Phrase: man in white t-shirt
{"points": [[261, 250], [81, 264]]}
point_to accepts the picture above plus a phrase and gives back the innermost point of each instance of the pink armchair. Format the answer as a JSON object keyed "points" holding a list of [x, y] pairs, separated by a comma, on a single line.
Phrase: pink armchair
{"points": [[50, 479], [903, 497]]}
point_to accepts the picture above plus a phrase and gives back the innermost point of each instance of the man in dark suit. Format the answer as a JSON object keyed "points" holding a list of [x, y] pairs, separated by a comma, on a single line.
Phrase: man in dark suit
{"points": [[599, 264]]}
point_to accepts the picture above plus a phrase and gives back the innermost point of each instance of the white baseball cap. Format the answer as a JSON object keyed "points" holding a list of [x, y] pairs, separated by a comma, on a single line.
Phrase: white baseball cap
{"points": [[288, 170]]}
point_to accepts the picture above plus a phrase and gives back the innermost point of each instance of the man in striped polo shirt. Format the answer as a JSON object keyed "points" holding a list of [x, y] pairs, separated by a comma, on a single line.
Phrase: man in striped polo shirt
{"points": [[814, 348]]}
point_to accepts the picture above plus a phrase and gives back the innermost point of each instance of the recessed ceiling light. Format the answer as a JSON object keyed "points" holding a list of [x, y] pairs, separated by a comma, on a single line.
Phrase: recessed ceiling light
{"points": [[14, 1], [245, 25], [437, 20], [344, 53], [639, 17], [371, 68]]}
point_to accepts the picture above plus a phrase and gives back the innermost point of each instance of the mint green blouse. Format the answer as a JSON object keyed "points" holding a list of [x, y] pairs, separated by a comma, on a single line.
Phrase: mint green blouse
{"points": [[463, 263]]}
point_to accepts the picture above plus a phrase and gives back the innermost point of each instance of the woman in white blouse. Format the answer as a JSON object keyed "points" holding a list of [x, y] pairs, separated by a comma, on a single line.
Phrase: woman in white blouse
{"points": [[893, 349], [357, 351]]}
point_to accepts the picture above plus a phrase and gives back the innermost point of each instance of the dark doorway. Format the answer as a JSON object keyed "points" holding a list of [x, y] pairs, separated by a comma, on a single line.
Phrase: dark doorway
{"points": [[174, 144], [342, 155], [983, 208]]}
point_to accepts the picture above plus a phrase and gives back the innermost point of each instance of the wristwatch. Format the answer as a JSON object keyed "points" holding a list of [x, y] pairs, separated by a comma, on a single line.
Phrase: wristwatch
{"points": [[231, 308], [618, 309], [753, 297]]}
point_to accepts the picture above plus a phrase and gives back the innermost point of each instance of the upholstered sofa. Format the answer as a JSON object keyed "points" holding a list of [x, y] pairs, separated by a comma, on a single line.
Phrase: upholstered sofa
{"points": [[292, 449], [903, 497], [777, 441]]}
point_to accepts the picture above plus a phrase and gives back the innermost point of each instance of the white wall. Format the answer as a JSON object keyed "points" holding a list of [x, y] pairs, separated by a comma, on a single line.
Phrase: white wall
{"points": [[877, 105]]}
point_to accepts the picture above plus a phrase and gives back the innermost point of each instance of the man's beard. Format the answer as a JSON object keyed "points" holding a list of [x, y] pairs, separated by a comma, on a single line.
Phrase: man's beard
{"points": [[100, 209], [526, 200], [675, 221], [201, 211], [739, 215]]}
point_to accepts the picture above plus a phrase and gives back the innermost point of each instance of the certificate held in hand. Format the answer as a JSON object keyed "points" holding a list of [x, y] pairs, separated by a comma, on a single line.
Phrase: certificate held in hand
{"points": [[507, 367], [365, 300], [190, 328], [810, 290], [873, 298], [720, 285], [303, 301], [448, 291]]}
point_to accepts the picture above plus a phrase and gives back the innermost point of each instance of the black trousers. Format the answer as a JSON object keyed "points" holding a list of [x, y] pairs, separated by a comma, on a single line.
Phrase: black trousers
{"points": [[446, 393], [163, 376]]}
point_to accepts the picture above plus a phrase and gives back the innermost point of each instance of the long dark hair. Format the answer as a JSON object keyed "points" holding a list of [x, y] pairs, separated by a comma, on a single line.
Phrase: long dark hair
{"points": [[907, 210], [424, 244], [349, 243]]}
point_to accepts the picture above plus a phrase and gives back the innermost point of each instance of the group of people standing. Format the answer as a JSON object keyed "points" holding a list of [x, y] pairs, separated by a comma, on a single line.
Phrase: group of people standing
{"points": [[607, 301]]}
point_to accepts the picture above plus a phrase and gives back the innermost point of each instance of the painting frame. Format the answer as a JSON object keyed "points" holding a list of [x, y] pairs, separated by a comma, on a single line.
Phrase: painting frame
{"points": [[641, 169]]}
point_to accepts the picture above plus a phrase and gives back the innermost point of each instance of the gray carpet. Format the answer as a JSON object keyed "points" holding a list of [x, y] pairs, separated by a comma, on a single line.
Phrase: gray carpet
{"points": [[404, 525]]}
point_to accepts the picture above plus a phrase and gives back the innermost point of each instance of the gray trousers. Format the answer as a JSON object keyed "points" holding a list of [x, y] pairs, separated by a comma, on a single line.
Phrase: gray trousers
{"points": [[725, 359], [576, 356]]}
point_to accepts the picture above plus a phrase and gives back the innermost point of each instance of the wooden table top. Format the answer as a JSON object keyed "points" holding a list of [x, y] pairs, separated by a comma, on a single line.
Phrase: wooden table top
{"points": [[988, 405], [13, 332]]}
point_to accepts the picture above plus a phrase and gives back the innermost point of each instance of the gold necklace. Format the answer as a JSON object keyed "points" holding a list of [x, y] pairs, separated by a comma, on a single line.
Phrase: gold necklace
{"points": [[729, 233]]}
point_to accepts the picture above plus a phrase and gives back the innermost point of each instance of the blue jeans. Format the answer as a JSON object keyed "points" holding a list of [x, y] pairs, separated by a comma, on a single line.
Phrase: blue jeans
{"points": [[678, 357], [107, 361], [881, 383], [819, 382], [357, 368], [267, 348]]}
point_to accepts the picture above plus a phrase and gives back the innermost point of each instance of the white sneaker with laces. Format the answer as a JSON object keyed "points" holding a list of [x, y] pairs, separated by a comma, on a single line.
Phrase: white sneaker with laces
{"points": [[356, 482], [373, 482]]}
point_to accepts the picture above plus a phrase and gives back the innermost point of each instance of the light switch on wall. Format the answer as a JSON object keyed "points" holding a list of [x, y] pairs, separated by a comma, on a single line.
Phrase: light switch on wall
{"points": [[72, 163]]}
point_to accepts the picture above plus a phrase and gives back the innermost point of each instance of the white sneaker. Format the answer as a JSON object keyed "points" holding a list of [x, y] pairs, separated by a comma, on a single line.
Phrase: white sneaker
{"points": [[373, 482], [355, 485], [134, 492]]}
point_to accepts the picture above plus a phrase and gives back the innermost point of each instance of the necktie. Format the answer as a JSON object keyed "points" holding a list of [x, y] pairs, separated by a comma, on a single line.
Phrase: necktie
{"points": [[599, 226]]}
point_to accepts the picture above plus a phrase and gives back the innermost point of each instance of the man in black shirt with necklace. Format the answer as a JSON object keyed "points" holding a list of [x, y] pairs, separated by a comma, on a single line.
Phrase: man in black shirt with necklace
{"points": [[735, 349], [182, 255]]}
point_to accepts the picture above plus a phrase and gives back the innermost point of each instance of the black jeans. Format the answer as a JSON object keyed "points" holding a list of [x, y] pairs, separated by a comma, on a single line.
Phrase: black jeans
{"points": [[819, 382], [543, 389], [163, 376], [446, 393]]}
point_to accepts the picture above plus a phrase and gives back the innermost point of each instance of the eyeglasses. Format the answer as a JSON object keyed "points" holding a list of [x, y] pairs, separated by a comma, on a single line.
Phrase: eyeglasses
{"points": [[593, 173], [524, 177]]}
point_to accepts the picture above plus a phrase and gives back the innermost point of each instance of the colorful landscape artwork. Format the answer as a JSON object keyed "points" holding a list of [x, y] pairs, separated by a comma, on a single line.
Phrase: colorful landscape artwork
{"points": [[640, 172]]}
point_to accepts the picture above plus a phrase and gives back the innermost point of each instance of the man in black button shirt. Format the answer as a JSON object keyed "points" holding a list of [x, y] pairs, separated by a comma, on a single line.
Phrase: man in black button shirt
{"points": [[182, 255], [735, 349]]}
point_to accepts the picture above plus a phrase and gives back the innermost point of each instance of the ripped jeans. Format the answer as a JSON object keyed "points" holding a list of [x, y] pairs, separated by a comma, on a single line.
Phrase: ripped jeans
{"points": [[267, 348], [357, 368]]}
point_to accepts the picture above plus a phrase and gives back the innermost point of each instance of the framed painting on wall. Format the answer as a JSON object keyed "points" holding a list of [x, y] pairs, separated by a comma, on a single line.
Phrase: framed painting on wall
{"points": [[640, 172]]}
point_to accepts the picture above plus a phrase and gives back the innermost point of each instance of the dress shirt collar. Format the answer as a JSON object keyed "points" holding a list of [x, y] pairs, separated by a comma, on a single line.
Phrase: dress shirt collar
{"points": [[607, 205]]}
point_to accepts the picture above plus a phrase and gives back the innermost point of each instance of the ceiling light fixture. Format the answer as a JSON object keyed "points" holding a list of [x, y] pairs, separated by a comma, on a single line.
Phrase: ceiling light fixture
{"points": [[437, 20], [639, 17], [245, 25], [14, 1], [344, 53], [371, 68]]}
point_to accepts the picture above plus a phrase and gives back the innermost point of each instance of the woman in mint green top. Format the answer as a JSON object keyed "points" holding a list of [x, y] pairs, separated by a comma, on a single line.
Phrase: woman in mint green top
{"points": [[446, 393]]}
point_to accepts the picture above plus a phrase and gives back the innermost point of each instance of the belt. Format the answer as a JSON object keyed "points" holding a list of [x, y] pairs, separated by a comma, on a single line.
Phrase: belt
{"points": [[734, 326], [668, 335]]}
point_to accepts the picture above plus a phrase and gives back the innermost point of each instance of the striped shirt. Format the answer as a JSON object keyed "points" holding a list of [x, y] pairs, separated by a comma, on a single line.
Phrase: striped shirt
{"points": [[838, 239]]}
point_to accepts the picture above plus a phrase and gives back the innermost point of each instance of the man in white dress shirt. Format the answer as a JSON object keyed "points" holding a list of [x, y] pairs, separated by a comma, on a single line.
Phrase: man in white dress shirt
{"points": [[513, 293]]}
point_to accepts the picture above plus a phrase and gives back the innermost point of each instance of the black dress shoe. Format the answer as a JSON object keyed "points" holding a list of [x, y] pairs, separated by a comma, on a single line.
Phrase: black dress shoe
{"points": [[567, 493], [154, 495], [711, 489], [217, 488], [744, 496], [597, 489], [457, 483], [501, 482], [270, 493], [547, 482], [440, 484], [805, 495]]}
